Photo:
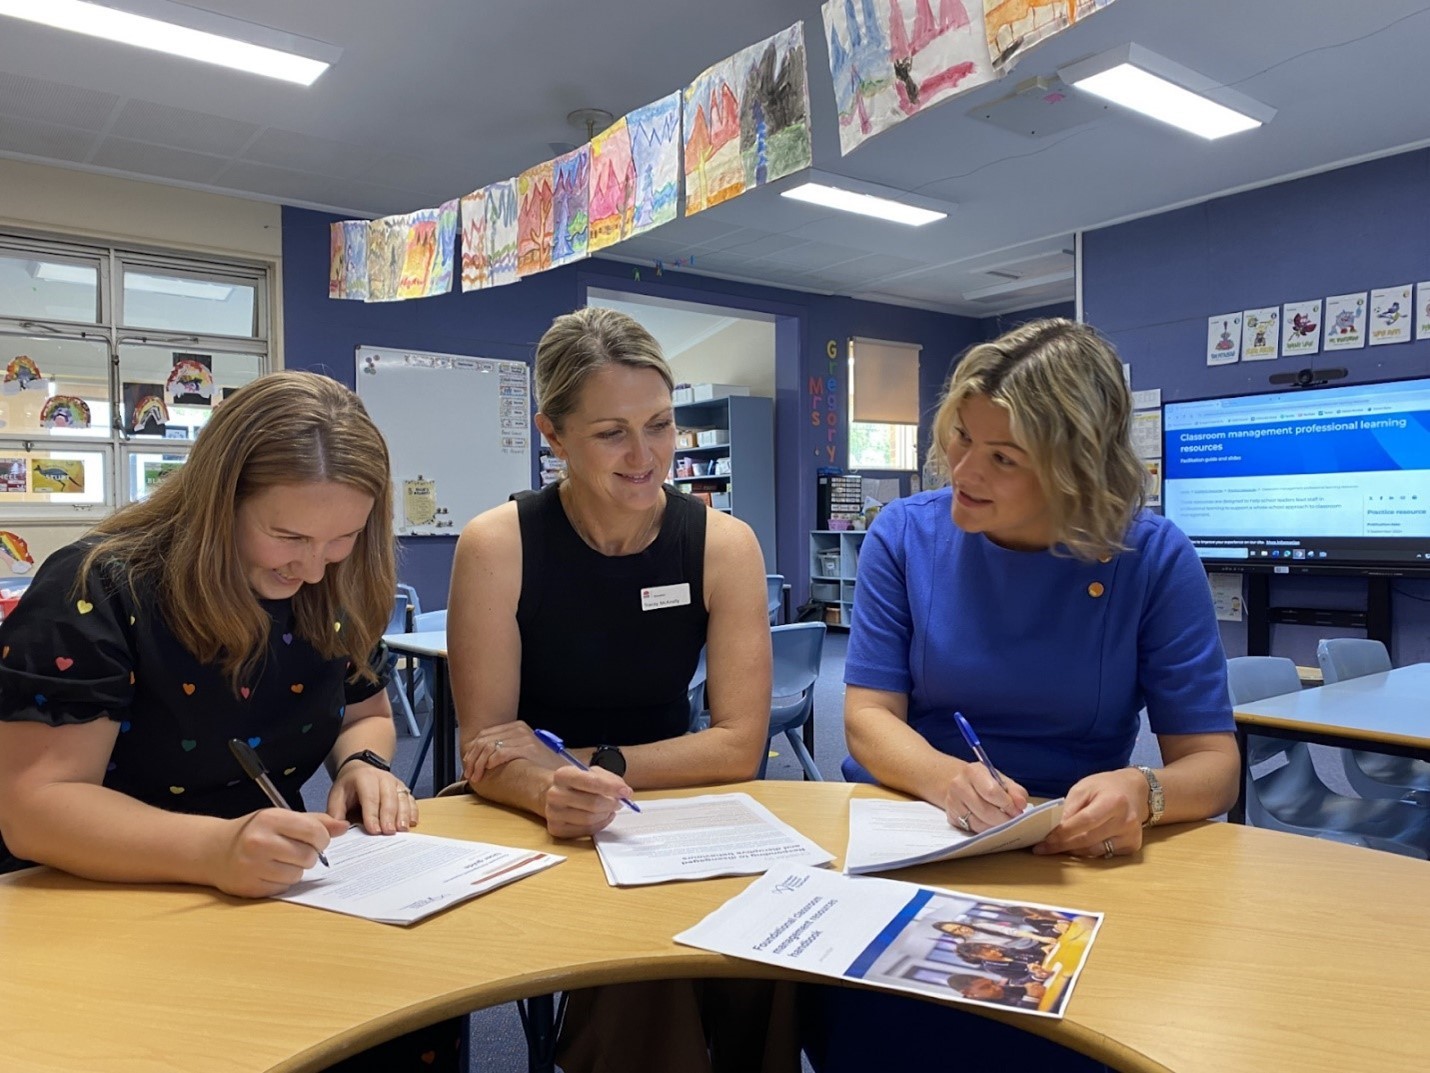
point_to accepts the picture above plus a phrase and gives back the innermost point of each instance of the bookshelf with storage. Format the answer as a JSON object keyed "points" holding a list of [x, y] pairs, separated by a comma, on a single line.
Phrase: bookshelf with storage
{"points": [[738, 461], [833, 566]]}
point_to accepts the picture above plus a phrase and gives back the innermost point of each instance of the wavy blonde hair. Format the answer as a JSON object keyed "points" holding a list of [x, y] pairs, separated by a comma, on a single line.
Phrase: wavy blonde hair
{"points": [[579, 343], [1069, 408], [287, 428]]}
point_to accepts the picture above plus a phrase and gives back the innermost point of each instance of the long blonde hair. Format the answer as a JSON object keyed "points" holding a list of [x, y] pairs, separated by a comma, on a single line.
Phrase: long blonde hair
{"points": [[286, 428], [1069, 408]]}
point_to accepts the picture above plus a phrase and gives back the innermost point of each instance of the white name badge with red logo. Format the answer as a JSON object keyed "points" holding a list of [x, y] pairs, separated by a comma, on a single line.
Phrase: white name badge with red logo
{"points": [[665, 596]]}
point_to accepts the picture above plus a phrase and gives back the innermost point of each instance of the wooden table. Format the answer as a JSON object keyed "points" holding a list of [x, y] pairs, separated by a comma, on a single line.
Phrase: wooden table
{"points": [[432, 645], [1225, 948], [1382, 713]]}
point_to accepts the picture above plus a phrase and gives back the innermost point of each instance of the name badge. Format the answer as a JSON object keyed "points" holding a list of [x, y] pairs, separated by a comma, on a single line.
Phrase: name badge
{"points": [[665, 596]]}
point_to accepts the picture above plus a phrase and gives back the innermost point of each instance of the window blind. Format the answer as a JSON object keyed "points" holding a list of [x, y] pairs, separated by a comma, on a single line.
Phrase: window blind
{"points": [[885, 381]]}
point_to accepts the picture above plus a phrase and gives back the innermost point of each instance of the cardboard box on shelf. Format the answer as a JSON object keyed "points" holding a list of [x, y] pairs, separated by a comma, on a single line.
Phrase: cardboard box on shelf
{"points": [[713, 437]]}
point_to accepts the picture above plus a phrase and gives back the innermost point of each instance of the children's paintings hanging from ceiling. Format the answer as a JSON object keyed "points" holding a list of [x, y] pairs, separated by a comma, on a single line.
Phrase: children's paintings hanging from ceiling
{"points": [[355, 259], [534, 222], [891, 59], [1015, 26], [475, 266], [570, 206], [613, 186], [774, 108], [655, 147], [421, 253], [502, 230], [714, 169], [441, 278], [386, 254]]}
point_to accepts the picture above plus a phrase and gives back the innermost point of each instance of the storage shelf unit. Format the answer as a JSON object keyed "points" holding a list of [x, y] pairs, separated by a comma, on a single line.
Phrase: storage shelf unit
{"points": [[750, 484], [833, 564]]}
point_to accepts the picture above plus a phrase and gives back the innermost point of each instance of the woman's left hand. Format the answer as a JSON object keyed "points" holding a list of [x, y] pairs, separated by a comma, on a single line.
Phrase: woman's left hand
{"points": [[501, 744], [1102, 816], [385, 803]]}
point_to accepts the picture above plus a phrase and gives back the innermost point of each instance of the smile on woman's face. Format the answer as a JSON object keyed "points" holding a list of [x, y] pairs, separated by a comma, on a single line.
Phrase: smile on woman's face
{"points": [[995, 491], [287, 534]]}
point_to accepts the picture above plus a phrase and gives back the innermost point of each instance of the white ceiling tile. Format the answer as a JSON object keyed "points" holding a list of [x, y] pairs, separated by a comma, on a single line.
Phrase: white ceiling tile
{"points": [[22, 137], [301, 152], [180, 128], [140, 158], [64, 105]]}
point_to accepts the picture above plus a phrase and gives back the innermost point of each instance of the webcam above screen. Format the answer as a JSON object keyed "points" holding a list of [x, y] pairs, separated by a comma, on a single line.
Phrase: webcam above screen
{"points": [[1333, 480], [1308, 377]]}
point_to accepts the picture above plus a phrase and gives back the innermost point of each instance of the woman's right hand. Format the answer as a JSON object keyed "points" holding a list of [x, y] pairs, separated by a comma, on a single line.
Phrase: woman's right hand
{"points": [[267, 851], [975, 798], [580, 803]]}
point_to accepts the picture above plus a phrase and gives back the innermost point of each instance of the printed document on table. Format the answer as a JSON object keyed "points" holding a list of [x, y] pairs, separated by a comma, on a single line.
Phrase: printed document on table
{"points": [[399, 879], [699, 838], [941, 944], [884, 835]]}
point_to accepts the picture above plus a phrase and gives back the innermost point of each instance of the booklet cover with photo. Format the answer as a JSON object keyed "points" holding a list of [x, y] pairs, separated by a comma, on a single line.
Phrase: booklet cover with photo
{"points": [[941, 944]]}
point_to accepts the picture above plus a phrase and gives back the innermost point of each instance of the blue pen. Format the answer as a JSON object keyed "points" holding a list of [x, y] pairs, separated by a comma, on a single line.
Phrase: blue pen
{"points": [[977, 747], [557, 746]]}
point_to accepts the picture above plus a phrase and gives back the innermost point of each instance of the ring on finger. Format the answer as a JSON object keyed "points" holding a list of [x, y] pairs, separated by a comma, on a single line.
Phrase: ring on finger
{"points": [[1108, 849], [962, 821], [498, 744]]}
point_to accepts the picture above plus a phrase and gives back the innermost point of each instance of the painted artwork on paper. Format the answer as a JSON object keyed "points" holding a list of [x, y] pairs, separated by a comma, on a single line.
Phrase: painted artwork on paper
{"points": [[1015, 26], [570, 206], [355, 259], [534, 222], [774, 108], [613, 186], [441, 281], [474, 240], [337, 257], [421, 254], [655, 147], [714, 168], [386, 254], [502, 220], [891, 59]]}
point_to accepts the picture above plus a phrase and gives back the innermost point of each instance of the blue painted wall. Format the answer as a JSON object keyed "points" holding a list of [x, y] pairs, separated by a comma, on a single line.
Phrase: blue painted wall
{"points": [[1151, 284], [321, 334]]}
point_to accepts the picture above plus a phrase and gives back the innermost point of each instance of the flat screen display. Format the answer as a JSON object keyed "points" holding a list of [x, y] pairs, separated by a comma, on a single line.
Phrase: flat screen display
{"points": [[1319, 479]]}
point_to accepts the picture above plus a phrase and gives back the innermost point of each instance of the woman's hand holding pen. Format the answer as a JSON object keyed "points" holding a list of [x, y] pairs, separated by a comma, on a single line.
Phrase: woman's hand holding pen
{"points": [[975, 801], [266, 852], [581, 802], [381, 800]]}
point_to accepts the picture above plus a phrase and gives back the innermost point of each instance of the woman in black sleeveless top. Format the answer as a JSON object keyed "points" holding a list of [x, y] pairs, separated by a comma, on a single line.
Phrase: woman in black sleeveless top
{"points": [[582, 609]]}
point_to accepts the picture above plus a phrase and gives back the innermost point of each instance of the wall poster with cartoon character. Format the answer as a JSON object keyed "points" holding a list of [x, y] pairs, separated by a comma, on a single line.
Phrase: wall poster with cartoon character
{"points": [[1392, 311], [1260, 334], [1301, 328], [1345, 321], [1422, 310], [1224, 339]]}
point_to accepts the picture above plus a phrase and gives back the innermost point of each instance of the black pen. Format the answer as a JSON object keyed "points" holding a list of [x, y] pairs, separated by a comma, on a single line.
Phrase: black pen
{"points": [[254, 769]]}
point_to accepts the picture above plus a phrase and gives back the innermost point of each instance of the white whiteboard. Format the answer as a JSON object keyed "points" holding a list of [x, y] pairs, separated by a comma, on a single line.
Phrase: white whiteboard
{"points": [[463, 423]]}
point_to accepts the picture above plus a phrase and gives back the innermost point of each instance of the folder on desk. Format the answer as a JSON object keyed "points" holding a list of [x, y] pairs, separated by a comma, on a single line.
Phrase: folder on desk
{"points": [[885, 835]]}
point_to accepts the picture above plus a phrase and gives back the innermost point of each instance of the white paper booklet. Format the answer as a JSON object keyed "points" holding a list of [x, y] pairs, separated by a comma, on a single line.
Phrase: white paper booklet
{"points": [[884, 835], [699, 838], [399, 879], [943, 944]]}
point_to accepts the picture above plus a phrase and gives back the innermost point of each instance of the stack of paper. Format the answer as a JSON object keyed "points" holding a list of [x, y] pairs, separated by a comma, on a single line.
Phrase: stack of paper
{"points": [[699, 838], [399, 879], [884, 835]]}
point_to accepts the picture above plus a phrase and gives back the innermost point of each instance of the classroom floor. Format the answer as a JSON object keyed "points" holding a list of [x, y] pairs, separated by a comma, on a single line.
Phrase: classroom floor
{"points": [[498, 1045]]}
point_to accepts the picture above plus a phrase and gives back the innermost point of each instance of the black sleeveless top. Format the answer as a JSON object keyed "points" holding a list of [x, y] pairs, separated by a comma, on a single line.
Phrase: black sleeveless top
{"points": [[597, 669]]}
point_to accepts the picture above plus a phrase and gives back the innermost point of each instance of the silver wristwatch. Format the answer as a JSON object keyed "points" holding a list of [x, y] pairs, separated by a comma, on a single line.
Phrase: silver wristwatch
{"points": [[1156, 800]]}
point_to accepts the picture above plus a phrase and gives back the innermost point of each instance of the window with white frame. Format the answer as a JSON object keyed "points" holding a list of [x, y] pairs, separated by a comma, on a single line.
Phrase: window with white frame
{"points": [[111, 360], [883, 404]]}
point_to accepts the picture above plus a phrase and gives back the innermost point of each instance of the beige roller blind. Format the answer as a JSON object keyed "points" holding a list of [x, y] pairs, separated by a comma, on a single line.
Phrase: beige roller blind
{"points": [[885, 381]]}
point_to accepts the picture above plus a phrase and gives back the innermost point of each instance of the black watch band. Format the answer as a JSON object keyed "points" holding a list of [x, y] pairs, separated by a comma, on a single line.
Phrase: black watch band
{"points": [[367, 756], [610, 758]]}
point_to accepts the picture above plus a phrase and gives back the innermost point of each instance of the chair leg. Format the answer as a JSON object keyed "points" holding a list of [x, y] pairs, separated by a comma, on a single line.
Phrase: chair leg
{"points": [[811, 770], [395, 688]]}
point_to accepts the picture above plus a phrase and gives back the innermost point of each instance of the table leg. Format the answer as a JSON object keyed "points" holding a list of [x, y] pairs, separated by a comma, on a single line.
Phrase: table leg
{"points": [[444, 746], [1238, 810], [541, 1021]]}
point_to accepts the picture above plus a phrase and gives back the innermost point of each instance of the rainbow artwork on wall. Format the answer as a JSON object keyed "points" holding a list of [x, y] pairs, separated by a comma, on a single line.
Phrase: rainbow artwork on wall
{"points": [[20, 373], [14, 549], [190, 382], [65, 411]]}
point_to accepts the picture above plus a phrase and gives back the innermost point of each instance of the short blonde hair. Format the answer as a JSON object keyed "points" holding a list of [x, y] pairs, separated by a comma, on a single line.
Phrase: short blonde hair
{"points": [[579, 343], [286, 428], [1069, 408]]}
